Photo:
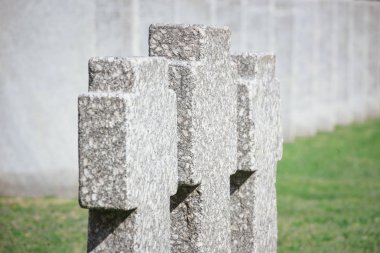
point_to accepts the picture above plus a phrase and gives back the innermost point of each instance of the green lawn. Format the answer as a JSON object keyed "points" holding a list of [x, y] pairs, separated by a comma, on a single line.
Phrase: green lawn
{"points": [[42, 225], [328, 201], [329, 192]]}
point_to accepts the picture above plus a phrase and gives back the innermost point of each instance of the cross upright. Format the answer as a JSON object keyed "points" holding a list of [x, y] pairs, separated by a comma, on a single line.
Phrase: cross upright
{"points": [[127, 154], [202, 75], [253, 191]]}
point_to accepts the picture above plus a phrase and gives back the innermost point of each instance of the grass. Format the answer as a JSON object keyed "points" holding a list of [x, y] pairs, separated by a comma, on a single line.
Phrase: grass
{"points": [[328, 201], [42, 225], [329, 192]]}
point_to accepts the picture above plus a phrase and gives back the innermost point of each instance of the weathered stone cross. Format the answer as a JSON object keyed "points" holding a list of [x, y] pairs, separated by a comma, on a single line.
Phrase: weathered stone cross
{"points": [[127, 154], [202, 76], [225, 112], [253, 192]]}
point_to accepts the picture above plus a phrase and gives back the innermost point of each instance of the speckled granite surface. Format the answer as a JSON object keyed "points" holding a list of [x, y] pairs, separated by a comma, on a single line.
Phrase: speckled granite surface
{"points": [[194, 124], [127, 154], [253, 192], [202, 76]]}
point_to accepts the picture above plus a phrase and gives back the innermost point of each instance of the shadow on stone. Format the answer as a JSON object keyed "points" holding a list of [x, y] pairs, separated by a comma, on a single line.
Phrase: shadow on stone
{"points": [[103, 224], [185, 214], [182, 193], [238, 179]]}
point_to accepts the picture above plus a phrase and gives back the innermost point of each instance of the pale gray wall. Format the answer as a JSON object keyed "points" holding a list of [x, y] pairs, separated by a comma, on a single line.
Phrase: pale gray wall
{"points": [[328, 62], [44, 47]]}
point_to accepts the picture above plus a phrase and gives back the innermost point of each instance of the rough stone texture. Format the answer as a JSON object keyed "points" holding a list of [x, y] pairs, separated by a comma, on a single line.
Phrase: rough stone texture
{"points": [[127, 154], [189, 42], [111, 231], [253, 192], [202, 75]]}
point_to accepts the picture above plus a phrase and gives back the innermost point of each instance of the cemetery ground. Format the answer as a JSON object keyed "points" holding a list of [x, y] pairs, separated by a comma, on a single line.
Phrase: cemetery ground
{"points": [[328, 190]]}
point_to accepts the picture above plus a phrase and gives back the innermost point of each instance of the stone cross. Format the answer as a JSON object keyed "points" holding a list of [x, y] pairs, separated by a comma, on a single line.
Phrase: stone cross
{"points": [[253, 192], [202, 76], [127, 154]]}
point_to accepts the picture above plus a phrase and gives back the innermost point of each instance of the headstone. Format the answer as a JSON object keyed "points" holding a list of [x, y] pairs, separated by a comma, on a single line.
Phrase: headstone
{"points": [[253, 191], [202, 76], [127, 154]]}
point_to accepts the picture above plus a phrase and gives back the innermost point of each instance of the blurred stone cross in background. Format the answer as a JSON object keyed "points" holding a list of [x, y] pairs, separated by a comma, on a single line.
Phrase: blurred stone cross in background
{"points": [[219, 173]]}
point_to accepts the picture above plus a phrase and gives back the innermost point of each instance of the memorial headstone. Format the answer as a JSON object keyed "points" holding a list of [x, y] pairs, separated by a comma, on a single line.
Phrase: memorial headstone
{"points": [[253, 191], [127, 154], [212, 189], [203, 77]]}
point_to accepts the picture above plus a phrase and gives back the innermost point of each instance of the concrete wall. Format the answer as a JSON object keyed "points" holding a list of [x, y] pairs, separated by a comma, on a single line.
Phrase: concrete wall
{"points": [[44, 47], [328, 62]]}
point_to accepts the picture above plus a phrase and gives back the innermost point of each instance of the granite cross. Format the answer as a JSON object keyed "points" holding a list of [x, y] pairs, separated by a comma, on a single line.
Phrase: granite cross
{"points": [[253, 192], [127, 154], [202, 76]]}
